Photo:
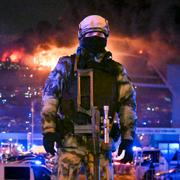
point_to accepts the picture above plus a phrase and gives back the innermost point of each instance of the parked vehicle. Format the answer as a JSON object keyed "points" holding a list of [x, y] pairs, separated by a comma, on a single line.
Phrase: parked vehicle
{"points": [[17, 171]]}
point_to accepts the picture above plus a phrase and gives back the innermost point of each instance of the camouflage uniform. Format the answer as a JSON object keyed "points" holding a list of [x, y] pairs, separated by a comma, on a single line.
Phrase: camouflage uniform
{"points": [[74, 150]]}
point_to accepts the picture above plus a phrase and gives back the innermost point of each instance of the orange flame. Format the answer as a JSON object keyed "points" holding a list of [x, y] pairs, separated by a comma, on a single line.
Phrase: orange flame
{"points": [[122, 47], [155, 50], [49, 58], [15, 55]]}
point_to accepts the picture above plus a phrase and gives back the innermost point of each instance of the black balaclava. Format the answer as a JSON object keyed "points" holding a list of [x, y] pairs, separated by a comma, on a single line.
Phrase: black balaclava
{"points": [[94, 44]]}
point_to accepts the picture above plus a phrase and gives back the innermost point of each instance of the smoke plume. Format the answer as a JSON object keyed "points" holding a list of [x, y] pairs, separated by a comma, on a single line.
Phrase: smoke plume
{"points": [[139, 28]]}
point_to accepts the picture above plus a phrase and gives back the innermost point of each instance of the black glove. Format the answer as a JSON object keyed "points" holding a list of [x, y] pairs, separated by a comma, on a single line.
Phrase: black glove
{"points": [[48, 141], [115, 132], [108, 146], [127, 146]]}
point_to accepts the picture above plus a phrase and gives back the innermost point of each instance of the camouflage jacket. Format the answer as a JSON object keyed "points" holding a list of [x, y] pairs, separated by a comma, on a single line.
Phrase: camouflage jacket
{"points": [[56, 82]]}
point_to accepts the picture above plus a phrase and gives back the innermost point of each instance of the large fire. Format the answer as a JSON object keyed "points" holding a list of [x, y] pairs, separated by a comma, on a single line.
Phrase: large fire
{"points": [[49, 58], [45, 58], [15, 55], [122, 47], [154, 49]]}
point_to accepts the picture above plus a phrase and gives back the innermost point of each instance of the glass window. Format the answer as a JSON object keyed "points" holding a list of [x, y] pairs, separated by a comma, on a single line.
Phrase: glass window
{"points": [[17, 173], [163, 146], [174, 146]]}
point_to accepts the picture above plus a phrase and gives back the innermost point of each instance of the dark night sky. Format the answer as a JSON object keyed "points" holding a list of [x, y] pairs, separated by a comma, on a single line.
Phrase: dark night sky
{"points": [[18, 15], [127, 16]]}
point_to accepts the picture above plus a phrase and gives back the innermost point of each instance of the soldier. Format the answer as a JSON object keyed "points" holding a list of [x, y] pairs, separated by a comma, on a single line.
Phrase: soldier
{"points": [[78, 83]]}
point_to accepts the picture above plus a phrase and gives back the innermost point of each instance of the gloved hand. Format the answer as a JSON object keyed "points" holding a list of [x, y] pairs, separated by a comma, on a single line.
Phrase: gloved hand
{"points": [[48, 141], [127, 146], [108, 146], [115, 132]]}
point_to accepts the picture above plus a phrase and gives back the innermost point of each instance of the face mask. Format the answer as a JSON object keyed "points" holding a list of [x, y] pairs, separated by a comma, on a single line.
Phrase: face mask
{"points": [[94, 44]]}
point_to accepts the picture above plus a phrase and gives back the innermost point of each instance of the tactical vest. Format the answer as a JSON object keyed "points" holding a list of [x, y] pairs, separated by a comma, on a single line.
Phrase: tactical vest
{"points": [[95, 85]]}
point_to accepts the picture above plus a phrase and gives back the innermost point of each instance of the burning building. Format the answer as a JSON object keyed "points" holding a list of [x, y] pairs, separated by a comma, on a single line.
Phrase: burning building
{"points": [[143, 62]]}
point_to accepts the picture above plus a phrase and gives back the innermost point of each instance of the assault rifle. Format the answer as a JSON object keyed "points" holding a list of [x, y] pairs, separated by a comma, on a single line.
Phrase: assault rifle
{"points": [[85, 104]]}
